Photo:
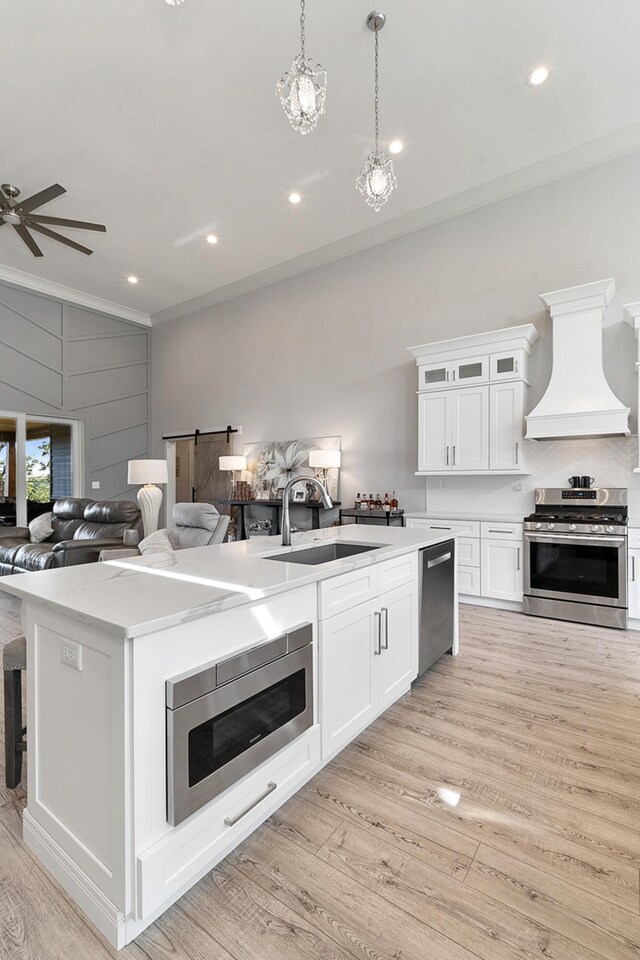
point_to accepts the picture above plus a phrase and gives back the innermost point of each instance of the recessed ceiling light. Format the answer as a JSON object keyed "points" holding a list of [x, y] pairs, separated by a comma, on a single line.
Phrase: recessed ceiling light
{"points": [[538, 76], [396, 146], [133, 280], [211, 238], [294, 198]]}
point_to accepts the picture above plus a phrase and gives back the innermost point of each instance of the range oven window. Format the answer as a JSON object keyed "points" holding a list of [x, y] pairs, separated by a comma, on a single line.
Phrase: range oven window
{"points": [[589, 569], [225, 736]]}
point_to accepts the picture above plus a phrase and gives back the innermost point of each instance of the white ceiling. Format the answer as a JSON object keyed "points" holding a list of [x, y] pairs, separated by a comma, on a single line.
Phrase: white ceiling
{"points": [[162, 123]]}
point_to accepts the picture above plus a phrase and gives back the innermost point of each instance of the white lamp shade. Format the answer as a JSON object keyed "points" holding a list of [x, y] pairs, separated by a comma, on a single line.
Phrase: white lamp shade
{"points": [[148, 471], [324, 459], [232, 463]]}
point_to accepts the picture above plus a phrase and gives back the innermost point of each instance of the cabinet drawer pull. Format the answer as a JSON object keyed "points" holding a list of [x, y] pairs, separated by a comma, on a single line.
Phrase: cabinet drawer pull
{"points": [[386, 628], [441, 559], [518, 559], [494, 530], [439, 528], [231, 821], [378, 649]]}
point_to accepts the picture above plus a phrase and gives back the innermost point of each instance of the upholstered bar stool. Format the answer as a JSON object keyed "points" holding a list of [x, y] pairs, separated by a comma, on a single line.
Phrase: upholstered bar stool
{"points": [[14, 661]]}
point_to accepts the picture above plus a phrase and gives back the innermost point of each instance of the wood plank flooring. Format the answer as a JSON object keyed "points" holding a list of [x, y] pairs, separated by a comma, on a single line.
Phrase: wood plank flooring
{"points": [[493, 813]]}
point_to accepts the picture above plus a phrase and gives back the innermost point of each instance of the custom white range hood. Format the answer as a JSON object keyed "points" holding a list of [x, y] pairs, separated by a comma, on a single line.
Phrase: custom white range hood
{"points": [[578, 401]]}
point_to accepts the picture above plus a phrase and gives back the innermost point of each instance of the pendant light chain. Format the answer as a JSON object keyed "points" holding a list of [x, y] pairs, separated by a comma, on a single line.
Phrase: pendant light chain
{"points": [[376, 101], [302, 19]]}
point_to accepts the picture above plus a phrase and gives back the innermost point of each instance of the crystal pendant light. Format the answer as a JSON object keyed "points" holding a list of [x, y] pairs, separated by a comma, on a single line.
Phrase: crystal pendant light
{"points": [[377, 181], [303, 89]]}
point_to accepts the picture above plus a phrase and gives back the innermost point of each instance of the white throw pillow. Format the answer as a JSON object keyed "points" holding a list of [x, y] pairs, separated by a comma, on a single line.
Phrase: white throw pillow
{"points": [[40, 528], [157, 542]]}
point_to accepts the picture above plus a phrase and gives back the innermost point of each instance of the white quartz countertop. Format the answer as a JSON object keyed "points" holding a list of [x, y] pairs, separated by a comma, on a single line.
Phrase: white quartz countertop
{"points": [[457, 515], [141, 595]]}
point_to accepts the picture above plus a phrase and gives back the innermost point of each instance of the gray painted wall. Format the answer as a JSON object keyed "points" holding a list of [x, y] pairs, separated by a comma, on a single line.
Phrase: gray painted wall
{"points": [[59, 360], [324, 352]]}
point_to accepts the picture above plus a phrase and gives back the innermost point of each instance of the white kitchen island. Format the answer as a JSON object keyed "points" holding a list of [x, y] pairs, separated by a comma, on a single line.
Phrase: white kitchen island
{"points": [[103, 639]]}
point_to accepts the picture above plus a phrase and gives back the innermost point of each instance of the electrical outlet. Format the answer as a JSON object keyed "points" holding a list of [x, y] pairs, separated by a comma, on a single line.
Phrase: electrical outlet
{"points": [[444, 483], [517, 486], [95, 484], [71, 654]]}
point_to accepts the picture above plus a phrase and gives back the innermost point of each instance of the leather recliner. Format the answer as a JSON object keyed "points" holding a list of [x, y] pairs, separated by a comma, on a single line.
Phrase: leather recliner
{"points": [[81, 529]]}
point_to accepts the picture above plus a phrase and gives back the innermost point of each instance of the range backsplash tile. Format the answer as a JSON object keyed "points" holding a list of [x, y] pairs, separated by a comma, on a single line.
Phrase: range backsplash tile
{"points": [[610, 460]]}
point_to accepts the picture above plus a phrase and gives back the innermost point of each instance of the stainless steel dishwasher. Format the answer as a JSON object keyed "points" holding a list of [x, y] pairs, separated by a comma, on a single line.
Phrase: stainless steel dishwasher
{"points": [[437, 602]]}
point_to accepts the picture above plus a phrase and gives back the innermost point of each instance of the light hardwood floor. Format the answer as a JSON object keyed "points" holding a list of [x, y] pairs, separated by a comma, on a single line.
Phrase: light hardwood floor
{"points": [[493, 813]]}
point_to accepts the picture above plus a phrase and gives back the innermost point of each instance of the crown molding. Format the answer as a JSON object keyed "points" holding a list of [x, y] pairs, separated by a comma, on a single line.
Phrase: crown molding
{"points": [[591, 154], [26, 281]]}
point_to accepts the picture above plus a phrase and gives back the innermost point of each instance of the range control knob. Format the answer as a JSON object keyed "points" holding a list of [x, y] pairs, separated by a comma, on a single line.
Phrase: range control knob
{"points": [[595, 528], [537, 526], [609, 529], [551, 526], [573, 526]]}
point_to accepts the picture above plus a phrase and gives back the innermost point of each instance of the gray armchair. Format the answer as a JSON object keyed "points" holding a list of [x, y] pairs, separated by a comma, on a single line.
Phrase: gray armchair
{"points": [[194, 525]]}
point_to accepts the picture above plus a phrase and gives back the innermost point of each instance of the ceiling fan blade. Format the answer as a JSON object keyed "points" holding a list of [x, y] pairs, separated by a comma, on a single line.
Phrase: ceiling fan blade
{"points": [[26, 237], [39, 199], [60, 239], [63, 222]]}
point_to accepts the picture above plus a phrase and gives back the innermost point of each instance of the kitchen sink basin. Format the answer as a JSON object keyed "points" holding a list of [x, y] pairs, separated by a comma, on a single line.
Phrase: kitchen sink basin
{"points": [[326, 552]]}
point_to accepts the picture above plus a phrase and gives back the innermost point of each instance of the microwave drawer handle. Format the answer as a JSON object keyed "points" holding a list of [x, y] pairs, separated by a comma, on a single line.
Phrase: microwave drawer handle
{"points": [[231, 821], [441, 559]]}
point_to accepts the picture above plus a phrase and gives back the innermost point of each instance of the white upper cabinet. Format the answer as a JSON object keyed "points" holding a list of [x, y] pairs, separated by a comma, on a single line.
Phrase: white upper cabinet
{"points": [[470, 429], [506, 427], [471, 402], [434, 444], [454, 430]]}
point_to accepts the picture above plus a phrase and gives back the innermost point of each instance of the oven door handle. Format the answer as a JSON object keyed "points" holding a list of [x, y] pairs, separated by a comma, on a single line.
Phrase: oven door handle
{"points": [[571, 538]]}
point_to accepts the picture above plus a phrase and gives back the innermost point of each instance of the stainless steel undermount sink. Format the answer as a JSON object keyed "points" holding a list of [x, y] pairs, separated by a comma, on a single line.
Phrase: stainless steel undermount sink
{"points": [[326, 552]]}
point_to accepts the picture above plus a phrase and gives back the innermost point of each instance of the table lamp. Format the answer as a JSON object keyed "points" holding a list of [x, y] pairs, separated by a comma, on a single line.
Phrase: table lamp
{"points": [[324, 460], [149, 473], [231, 464]]}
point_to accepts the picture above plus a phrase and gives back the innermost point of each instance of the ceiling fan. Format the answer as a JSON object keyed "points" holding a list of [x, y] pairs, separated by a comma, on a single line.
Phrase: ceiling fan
{"points": [[19, 215]]}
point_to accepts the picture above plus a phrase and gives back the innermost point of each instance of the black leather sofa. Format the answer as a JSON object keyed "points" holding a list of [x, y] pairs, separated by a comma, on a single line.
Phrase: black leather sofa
{"points": [[81, 529]]}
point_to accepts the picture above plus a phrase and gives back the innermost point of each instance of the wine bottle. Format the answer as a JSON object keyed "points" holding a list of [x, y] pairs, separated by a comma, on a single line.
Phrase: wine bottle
{"points": [[386, 506]]}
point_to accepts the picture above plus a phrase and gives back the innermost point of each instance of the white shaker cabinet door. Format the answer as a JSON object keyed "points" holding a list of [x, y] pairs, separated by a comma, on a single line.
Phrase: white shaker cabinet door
{"points": [[469, 428], [634, 584], [506, 402], [397, 664], [501, 569], [433, 431], [348, 691]]}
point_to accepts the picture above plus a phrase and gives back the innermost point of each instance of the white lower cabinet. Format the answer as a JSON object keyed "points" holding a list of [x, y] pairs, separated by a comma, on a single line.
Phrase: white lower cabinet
{"points": [[501, 569], [348, 695], [368, 658], [397, 664], [634, 584], [469, 580]]}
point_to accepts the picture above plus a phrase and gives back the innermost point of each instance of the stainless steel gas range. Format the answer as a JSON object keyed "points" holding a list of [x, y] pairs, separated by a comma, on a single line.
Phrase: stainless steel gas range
{"points": [[575, 556]]}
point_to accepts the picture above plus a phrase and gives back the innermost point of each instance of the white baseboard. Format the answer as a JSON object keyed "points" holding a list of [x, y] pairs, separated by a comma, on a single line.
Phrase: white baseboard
{"points": [[102, 912]]}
